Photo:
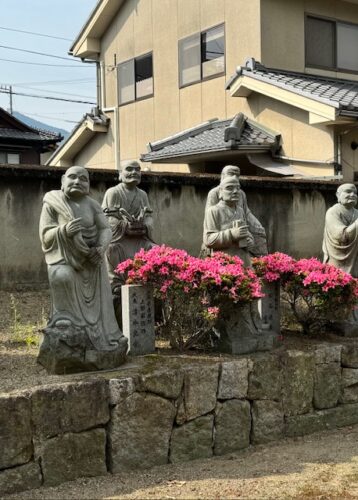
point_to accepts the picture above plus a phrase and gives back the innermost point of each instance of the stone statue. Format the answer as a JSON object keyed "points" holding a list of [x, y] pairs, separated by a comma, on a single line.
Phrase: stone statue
{"points": [[226, 229], [340, 240], [255, 227], [340, 244], [225, 226], [130, 217], [75, 235]]}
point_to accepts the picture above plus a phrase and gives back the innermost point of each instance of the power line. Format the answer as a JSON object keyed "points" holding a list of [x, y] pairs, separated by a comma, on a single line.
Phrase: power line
{"points": [[56, 82], [52, 118], [47, 97], [54, 65], [54, 91], [36, 34], [37, 53]]}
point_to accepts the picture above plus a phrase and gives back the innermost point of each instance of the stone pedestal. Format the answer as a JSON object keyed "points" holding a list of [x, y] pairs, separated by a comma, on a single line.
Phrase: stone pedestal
{"points": [[138, 319], [240, 335], [269, 307], [69, 350]]}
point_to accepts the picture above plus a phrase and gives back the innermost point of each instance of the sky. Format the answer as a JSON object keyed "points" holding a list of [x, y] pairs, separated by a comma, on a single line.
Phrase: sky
{"points": [[69, 79]]}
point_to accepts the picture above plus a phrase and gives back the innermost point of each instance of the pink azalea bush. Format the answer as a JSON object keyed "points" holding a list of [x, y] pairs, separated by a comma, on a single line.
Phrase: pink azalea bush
{"points": [[316, 292], [193, 291]]}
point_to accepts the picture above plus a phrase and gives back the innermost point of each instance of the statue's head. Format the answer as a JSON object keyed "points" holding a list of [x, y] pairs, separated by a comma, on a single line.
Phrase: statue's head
{"points": [[130, 173], [230, 171], [347, 195], [229, 189], [75, 182]]}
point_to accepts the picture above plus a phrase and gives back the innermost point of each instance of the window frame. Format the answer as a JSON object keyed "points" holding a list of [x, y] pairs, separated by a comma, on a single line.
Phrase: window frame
{"points": [[335, 22], [211, 77], [135, 87], [7, 153]]}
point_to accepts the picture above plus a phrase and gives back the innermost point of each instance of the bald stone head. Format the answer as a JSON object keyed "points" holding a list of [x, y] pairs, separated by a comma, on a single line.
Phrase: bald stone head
{"points": [[130, 173], [229, 189], [347, 195], [230, 170], [75, 182]]}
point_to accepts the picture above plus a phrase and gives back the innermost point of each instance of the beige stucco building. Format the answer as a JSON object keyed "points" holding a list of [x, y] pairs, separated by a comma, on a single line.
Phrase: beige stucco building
{"points": [[167, 68]]}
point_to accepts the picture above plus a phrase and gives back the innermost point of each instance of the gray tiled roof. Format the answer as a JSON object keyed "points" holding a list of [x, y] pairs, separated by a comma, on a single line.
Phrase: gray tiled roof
{"points": [[211, 137], [336, 92], [12, 133]]}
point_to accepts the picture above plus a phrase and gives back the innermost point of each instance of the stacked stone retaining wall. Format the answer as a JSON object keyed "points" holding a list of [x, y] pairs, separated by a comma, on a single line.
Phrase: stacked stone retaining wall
{"points": [[170, 409]]}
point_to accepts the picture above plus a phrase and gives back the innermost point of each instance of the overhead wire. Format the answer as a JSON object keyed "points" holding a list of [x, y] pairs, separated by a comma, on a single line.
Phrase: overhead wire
{"points": [[47, 97], [8, 47], [36, 34], [52, 91], [53, 65]]}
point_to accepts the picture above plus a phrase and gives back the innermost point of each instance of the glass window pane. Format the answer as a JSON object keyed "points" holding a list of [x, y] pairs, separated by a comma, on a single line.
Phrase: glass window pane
{"points": [[213, 51], [144, 76], [189, 60], [126, 82], [347, 46], [13, 158], [319, 43], [3, 157]]}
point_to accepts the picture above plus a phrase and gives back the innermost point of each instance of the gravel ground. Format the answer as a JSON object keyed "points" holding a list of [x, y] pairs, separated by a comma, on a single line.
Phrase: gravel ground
{"points": [[321, 466]]}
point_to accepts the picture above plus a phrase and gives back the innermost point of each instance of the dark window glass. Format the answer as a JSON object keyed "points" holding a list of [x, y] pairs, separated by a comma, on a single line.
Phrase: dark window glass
{"points": [[135, 79], [144, 76], [320, 43]]}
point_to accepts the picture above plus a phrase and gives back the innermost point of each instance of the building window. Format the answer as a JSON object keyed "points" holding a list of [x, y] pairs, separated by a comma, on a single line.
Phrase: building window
{"points": [[9, 158], [202, 56], [135, 79], [331, 44]]}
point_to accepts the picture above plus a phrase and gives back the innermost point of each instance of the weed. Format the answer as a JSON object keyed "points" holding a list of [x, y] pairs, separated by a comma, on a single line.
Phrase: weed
{"points": [[24, 333]]}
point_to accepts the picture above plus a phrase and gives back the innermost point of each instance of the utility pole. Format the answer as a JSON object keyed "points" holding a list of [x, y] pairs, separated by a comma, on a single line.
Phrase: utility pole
{"points": [[8, 90]]}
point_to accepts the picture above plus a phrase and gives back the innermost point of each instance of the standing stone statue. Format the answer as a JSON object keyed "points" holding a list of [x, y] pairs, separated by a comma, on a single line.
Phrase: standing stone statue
{"points": [[225, 225], [340, 243], [226, 230], [340, 240], [82, 333], [130, 217], [255, 227]]}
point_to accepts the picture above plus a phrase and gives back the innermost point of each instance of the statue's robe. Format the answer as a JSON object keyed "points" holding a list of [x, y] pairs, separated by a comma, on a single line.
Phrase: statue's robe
{"points": [[340, 249], [218, 221], [80, 291], [123, 246], [255, 227]]}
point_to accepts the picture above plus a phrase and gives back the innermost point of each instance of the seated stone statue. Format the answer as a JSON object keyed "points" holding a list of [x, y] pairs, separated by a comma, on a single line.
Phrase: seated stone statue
{"points": [[130, 217], [340, 240], [255, 227], [225, 226], [75, 234]]}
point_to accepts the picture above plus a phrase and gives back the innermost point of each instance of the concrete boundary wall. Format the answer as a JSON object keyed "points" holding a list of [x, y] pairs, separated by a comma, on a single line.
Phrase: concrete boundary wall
{"points": [[167, 410], [292, 212]]}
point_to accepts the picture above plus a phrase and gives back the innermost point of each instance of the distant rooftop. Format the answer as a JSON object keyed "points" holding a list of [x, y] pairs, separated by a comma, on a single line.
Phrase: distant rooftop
{"points": [[339, 93], [238, 133]]}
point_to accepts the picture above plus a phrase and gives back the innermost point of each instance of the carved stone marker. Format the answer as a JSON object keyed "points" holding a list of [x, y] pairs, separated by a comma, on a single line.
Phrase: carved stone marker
{"points": [[269, 307], [82, 333], [138, 319]]}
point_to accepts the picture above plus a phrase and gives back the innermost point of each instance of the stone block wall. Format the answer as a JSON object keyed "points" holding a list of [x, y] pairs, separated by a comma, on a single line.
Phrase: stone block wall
{"points": [[170, 410]]}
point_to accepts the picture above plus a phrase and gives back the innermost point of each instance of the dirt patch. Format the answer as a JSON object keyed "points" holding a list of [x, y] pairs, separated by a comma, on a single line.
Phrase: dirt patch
{"points": [[321, 466]]}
